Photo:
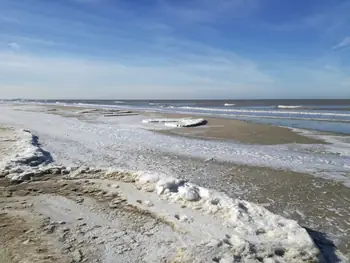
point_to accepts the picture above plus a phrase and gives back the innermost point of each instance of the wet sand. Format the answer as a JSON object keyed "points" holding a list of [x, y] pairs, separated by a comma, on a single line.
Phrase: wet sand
{"points": [[237, 130], [314, 202]]}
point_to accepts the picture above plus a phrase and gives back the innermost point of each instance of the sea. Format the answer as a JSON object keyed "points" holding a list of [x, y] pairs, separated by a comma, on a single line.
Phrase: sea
{"points": [[328, 115]]}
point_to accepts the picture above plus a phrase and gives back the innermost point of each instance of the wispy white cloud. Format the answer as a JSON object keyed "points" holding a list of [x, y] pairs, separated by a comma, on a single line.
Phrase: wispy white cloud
{"points": [[78, 77], [8, 19], [217, 75], [14, 45], [328, 19], [313, 80], [346, 83], [16, 39], [343, 44], [207, 10]]}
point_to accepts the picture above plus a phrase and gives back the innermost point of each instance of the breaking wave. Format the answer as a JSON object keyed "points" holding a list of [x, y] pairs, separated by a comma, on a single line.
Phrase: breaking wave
{"points": [[288, 107], [267, 111]]}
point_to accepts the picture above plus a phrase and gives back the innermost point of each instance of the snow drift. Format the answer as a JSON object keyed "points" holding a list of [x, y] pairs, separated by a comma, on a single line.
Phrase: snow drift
{"points": [[26, 154], [255, 232]]}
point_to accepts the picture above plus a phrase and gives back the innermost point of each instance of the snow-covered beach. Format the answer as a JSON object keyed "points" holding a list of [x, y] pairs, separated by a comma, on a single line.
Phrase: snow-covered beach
{"points": [[173, 184]]}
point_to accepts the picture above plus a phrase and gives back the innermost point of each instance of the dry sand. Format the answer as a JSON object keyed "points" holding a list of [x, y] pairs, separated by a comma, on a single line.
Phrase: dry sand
{"points": [[71, 221]]}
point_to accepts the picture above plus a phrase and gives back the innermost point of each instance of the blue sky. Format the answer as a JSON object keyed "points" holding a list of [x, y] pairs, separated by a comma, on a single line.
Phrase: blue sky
{"points": [[174, 49]]}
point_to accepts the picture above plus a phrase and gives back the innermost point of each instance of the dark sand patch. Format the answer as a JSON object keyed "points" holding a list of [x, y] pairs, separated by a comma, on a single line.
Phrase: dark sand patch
{"points": [[237, 130]]}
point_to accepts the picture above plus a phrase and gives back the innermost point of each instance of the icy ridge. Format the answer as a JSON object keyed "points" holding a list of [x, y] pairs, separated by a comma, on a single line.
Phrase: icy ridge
{"points": [[255, 230], [26, 154]]}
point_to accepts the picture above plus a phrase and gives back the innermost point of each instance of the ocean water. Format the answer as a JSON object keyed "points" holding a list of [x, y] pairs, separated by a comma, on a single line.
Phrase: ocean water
{"points": [[321, 115]]}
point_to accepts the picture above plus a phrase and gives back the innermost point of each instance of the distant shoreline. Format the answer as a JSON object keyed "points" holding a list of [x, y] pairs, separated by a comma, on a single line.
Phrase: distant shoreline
{"points": [[330, 116], [222, 129]]}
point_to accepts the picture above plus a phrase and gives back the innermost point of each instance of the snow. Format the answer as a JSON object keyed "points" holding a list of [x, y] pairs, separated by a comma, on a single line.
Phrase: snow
{"points": [[175, 123], [337, 144], [25, 153], [253, 229], [211, 221]]}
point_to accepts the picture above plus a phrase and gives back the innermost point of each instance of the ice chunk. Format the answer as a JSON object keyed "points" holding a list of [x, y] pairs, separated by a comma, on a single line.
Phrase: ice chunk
{"points": [[189, 193], [176, 123]]}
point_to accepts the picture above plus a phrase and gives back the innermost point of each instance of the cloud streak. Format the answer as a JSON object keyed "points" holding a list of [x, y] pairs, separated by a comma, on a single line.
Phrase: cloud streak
{"points": [[342, 44], [207, 11], [14, 45], [77, 77]]}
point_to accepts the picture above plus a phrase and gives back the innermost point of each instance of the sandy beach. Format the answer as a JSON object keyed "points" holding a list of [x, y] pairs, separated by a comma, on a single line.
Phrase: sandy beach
{"points": [[318, 204], [241, 131], [216, 128]]}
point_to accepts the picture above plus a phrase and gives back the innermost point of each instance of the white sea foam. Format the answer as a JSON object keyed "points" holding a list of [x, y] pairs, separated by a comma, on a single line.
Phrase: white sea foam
{"points": [[288, 107], [267, 111], [175, 123], [229, 104]]}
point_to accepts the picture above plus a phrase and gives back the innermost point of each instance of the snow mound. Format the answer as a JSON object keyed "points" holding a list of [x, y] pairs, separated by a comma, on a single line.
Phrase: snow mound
{"points": [[25, 156], [255, 231], [176, 123]]}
